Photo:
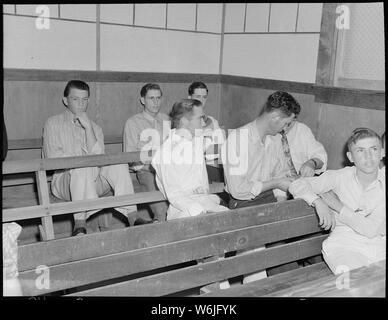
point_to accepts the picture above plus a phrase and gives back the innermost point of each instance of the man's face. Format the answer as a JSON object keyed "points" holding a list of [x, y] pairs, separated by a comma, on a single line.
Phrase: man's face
{"points": [[77, 100], [280, 122], [195, 121], [366, 154], [152, 101], [288, 127], [200, 94]]}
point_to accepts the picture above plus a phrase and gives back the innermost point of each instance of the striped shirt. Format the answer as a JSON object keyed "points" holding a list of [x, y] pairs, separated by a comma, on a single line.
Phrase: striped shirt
{"points": [[64, 137], [137, 133]]}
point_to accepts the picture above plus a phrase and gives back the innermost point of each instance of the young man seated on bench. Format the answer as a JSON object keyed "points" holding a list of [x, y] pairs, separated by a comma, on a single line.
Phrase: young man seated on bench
{"points": [[180, 166], [72, 133], [351, 203]]}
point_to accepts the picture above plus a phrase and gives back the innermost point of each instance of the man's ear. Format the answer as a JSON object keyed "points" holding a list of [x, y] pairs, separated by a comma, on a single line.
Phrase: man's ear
{"points": [[350, 157], [142, 101], [189, 97], [64, 100]]}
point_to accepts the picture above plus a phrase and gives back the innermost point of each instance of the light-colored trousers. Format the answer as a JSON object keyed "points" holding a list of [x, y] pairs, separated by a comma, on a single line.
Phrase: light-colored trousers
{"points": [[347, 250], [91, 183]]}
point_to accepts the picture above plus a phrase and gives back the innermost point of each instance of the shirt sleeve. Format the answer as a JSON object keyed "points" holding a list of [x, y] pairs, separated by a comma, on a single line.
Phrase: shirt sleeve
{"points": [[235, 170], [370, 225], [309, 188], [314, 149], [52, 145], [130, 136]]}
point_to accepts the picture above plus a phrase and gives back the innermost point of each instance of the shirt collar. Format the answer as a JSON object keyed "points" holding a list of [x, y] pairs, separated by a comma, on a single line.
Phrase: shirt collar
{"points": [[69, 116], [148, 117], [380, 177]]}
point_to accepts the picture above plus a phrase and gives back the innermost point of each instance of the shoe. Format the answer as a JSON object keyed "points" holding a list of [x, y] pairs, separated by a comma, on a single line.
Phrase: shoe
{"points": [[140, 221], [254, 276], [79, 231]]}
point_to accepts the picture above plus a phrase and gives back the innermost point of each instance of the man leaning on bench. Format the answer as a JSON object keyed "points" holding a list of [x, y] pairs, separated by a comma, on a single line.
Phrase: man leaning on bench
{"points": [[269, 160]]}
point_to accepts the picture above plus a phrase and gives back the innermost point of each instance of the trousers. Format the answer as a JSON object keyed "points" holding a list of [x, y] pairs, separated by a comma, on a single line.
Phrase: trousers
{"points": [[347, 250], [91, 183], [148, 183]]}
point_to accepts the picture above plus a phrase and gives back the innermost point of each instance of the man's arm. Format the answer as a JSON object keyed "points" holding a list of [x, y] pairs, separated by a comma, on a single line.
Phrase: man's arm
{"points": [[315, 152], [93, 134], [52, 145]]}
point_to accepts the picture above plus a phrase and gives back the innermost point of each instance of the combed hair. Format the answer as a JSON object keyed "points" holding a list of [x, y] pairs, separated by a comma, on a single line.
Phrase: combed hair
{"points": [[77, 84], [197, 85], [361, 133], [182, 108], [149, 86], [282, 101]]}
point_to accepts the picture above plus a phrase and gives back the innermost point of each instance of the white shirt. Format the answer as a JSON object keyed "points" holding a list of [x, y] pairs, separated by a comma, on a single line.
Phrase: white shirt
{"points": [[304, 146], [248, 162], [363, 211], [182, 177]]}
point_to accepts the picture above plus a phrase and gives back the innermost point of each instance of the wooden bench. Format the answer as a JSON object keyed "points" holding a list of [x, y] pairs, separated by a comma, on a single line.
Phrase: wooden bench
{"points": [[147, 260], [46, 209]]}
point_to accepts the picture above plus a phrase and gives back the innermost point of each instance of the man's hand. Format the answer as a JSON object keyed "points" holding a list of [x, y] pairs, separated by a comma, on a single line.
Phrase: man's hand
{"points": [[84, 120], [284, 183], [332, 200], [208, 123], [326, 216], [307, 169]]}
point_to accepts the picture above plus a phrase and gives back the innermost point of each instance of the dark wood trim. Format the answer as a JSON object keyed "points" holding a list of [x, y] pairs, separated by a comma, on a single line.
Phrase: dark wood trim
{"points": [[291, 86], [11, 74], [356, 98], [327, 45]]}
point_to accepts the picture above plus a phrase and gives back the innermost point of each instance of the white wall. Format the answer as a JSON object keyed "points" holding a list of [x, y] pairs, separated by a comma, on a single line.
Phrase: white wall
{"points": [[143, 38], [274, 41]]}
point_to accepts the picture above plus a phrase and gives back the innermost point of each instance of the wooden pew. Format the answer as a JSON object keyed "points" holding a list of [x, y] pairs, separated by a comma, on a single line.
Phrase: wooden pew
{"points": [[147, 260], [46, 210]]}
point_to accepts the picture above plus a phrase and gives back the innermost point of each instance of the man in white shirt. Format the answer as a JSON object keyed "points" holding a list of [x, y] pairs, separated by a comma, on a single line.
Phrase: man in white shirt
{"points": [[357, 202], [180, 165], [73, 133], [147, 130], [180, 168]]}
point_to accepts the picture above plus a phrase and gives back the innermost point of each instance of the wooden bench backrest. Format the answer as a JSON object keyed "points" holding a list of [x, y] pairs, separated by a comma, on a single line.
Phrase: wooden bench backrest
{"points": [[95, 258]]}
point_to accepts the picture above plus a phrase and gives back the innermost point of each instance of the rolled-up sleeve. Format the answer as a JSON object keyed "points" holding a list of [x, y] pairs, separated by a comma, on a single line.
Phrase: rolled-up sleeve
{"points": [[315, 149], [236, 174], [309, 188], [99, 146]]}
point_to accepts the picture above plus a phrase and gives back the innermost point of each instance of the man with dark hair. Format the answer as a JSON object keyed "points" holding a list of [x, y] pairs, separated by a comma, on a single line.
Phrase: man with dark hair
{"points": [[351, 203], [144, 131], [73, 133], [254, 163]]}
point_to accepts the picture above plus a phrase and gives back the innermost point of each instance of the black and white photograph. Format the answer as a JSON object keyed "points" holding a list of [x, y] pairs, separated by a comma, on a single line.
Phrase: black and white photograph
{"points": [[193, 150]]}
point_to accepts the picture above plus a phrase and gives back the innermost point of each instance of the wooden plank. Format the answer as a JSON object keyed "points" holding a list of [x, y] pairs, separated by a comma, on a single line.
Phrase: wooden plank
{"points": [[289, 86], [356, 98], [274, 283], [53, 209], [12, 74], [20, 144], [111, 242], [79, 273], [202, 274], [327, 45], [363, 282], [44, 200], [20, 166]]}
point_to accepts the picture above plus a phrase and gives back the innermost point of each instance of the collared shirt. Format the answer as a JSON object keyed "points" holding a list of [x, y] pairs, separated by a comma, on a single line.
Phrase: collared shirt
{"points": [[144, 131], [248, 162], [304, 146], [364, 209], [182, 177], [64, 137]]}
